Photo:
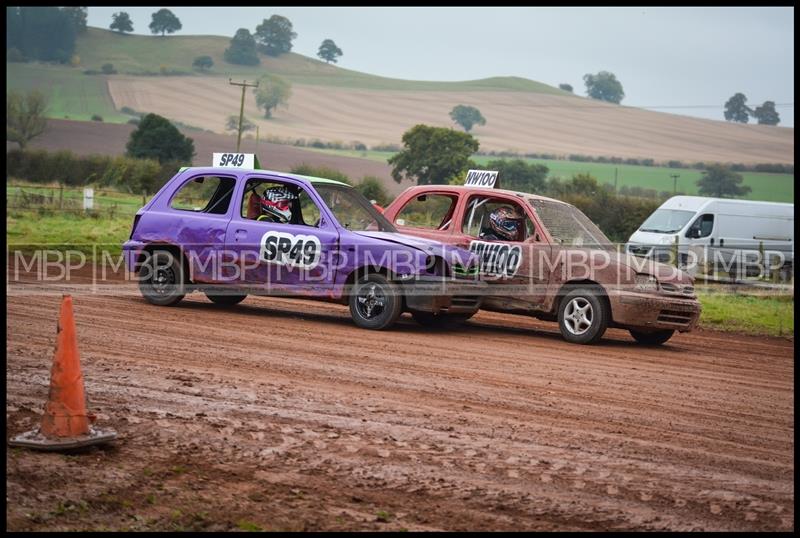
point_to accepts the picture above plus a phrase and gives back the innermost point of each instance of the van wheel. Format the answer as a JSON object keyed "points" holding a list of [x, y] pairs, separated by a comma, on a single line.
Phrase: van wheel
{"points": [[583, 316], [164, 278], [226, 300], [376, 302], [654, 338]]}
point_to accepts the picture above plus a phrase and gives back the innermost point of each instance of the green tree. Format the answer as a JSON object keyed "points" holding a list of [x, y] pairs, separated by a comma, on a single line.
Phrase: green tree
{"points": [[467, 116], [736, 109], [518, 175], [203, 62], [328, 51], [271, 93], [156, 138], [242, 50], [721, 182], [121, 22], [604, 86], [165, 21], [25, 116], [566, 87], [275, 35], [77, 16], [233, 124], [41, 33], [372, 188], [766, 114], [433, 155]]}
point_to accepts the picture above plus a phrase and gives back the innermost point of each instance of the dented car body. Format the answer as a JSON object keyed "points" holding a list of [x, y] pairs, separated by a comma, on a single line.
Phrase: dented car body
{"points": [[560, 266], [205, 230]]}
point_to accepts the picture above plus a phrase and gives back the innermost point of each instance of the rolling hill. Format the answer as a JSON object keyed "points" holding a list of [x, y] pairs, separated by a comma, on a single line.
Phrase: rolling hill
{"points": [[335, 104]]}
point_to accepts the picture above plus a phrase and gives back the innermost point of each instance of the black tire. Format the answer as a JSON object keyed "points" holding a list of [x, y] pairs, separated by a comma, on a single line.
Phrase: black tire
{"points": [[429, 319], [164, 279], [654, 338], [583, 315], [226, 300], [376, 302]]}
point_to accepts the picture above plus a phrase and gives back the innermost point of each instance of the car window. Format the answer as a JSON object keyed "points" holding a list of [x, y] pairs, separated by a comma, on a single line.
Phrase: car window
{"points": [[513, 224], [433, 211], [278, 202], [205, 194]]}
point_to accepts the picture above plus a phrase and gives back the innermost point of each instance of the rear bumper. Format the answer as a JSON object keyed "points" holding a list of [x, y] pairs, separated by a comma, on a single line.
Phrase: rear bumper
{"points": [[654, 312], [436, 295]]}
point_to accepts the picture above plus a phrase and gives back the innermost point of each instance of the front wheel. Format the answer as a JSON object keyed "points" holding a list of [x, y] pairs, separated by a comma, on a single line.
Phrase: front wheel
{"points": [[583, 316], [655, 338], [376, 302]]}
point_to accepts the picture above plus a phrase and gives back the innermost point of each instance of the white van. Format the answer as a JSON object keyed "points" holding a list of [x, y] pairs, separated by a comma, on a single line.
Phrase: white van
{"points": [[725, 232]]}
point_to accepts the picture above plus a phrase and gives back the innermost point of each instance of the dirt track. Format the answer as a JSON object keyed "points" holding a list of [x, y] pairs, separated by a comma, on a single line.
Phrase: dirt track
{"points": [[282, 414]]}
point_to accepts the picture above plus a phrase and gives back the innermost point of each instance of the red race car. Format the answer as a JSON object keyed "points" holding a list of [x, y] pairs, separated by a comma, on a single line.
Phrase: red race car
{"points": [[545, 258]]}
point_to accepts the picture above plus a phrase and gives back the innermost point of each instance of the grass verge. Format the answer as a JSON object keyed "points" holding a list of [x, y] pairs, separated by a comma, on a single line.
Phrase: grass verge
{"points": [[764, 315]]}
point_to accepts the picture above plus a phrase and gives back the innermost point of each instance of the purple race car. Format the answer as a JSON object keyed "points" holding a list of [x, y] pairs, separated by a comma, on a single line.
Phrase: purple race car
{"points": [[233, 232]]}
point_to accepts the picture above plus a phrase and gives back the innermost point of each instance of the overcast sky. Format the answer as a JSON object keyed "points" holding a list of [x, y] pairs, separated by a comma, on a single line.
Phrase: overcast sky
{"points": [[665, 58]]}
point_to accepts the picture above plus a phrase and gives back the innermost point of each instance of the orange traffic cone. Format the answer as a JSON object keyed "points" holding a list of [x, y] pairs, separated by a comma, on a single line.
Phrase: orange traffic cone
{"points": [[65, 423]]}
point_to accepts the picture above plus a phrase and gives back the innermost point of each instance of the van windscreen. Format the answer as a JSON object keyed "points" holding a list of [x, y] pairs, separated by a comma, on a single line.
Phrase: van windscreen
{"points": [[666, 221]]}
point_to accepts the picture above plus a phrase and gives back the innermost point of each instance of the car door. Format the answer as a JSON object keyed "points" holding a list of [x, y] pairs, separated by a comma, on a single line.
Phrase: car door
{"points": [[513, 267], [296, 256]]}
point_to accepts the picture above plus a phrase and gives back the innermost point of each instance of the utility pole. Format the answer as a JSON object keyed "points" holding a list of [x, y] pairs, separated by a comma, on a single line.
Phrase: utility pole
{"points": [[244, 86], [674, 182]]}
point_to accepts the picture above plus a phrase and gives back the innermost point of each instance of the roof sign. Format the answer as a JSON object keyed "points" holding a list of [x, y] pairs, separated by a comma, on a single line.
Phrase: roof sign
{"points": [[481, 178], [235, 160]]}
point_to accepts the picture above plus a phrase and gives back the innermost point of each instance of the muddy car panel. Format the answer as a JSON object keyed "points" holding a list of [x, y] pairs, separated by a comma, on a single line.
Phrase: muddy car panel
{"points": [[547, 266]]}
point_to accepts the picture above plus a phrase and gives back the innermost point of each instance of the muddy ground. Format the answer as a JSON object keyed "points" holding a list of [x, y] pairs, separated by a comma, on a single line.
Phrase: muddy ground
{"points": [[280, 414]]}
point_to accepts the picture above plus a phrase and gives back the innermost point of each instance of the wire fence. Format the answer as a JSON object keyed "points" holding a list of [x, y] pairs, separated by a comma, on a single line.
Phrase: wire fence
{"points": [[62, 199]]}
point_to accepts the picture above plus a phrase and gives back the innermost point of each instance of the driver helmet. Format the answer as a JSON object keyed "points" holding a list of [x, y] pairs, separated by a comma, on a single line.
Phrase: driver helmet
{"points": [[506, 223], [276, 202]]}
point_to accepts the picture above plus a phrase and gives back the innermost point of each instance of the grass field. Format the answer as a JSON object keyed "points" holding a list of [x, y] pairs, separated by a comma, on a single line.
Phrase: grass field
{"points": [[21, 195], [752, 314], [767, 187], [72, 95]]}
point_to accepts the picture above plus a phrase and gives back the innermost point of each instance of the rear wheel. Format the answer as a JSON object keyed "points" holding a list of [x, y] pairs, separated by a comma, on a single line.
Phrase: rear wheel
{"points": [[376, 302], [654, 338], [226, 300], [583, 315], [162, 279]]}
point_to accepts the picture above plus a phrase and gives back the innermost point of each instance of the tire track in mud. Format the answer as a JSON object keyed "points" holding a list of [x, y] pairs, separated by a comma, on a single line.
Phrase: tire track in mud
{"points": [[496, 425]]}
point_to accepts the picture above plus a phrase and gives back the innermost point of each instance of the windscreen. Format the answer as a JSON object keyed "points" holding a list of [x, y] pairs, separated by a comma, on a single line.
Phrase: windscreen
{"points": [[351, 209], [666, 221], [568, 225]]}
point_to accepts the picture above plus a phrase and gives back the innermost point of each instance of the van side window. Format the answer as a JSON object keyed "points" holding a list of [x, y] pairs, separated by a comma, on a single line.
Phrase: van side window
{"points": [[701, 227], [208, 194]]}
